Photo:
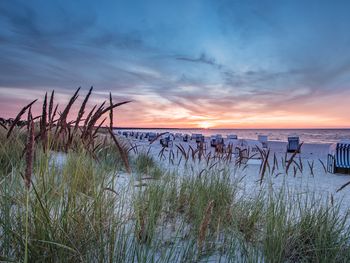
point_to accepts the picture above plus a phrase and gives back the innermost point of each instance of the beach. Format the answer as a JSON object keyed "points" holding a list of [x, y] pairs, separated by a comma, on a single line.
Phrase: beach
{"points": [[307, 173]]}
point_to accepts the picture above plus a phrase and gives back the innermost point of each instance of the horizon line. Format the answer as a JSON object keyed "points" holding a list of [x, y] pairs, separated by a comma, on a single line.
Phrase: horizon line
{"points": [[198, 128]]}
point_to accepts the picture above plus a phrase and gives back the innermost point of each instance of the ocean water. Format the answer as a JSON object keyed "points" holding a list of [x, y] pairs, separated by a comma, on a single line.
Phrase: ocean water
{"points": [[306, 135]]}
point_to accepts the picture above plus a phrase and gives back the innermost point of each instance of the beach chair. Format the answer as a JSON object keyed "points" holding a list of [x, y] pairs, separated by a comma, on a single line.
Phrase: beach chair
{"points": [[166, 142], [263, 140], [293, 144], [231, 140], [338, 159], [199, 138], [194, 136], [185, 137], [215, 140], [151, 136]]}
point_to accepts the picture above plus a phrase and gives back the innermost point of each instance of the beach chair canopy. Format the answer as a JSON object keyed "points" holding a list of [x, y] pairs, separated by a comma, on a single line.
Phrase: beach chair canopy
{"points": [[341, 153]]}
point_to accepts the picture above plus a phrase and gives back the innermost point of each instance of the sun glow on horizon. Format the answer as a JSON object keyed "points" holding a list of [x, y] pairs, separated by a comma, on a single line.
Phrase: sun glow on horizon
{"points": [[205, 125]]}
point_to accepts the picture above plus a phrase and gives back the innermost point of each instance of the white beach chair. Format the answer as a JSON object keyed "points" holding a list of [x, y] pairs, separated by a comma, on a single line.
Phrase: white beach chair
{"points": [[338, 160], [263, 139]]}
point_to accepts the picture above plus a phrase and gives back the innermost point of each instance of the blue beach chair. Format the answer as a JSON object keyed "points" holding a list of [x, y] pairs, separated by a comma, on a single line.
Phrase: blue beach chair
{"points": [[338, 160], [293, 144]]}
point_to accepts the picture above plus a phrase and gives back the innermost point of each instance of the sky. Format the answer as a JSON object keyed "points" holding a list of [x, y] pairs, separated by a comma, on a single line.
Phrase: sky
{"points": [[184, 63]]}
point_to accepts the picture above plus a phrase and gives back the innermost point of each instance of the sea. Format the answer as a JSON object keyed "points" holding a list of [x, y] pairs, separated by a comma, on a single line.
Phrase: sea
{"points": [[305, 135]]}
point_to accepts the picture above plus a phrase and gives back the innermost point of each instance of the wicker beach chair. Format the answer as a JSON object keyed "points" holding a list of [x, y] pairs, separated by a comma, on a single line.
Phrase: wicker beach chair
{"points": [[216, 140], [200, 138], [338, 160], [293, 144], [263, 139]]}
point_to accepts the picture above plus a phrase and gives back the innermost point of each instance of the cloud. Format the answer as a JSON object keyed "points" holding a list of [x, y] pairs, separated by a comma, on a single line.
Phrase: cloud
{"points": [[203, 58], [227, 62]]}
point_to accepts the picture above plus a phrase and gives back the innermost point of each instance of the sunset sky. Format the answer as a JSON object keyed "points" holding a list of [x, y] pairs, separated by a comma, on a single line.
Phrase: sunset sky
{"points": [[224, 64]]}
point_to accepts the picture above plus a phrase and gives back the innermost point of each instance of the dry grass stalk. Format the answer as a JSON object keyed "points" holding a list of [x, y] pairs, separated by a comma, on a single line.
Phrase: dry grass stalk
{"points": [[323, 165], [343, 186], [134, 148], [294, 171], [51, 119], [3, 125], [171, 156], [299, 166], [29, 151], [183, 151], [290, 161], [98, 115], [87, 119], [157, 137], [161, 153], [43, 124], [311, 166], [82, 110], [110, 112], [18, 117], [62, 122], [94, 135], [51, 105], [123, 154], [204, 225], [265, 163], [275, 164], [208, 157]]}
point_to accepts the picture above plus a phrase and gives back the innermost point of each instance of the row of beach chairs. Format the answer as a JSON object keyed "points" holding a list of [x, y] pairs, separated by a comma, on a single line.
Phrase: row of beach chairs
{"points": [[338, 159]]}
